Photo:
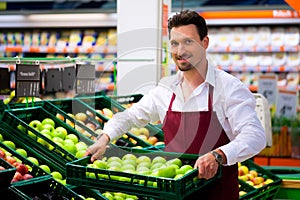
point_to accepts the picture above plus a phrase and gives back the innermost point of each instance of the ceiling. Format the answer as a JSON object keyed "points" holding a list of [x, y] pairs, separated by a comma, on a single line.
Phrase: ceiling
{"points": [[110, 5]]}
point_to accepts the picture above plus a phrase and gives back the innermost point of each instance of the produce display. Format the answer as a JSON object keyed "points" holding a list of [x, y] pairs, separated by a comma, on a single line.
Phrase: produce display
{"points": [[26, 166], [54, 135], [153, 173], [256, 181]]}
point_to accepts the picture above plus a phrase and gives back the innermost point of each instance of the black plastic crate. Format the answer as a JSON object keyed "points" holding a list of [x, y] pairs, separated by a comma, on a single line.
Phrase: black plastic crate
{"points": [[248, 191], [165, 188], [6, 175], [266, 191], [18, 120], [88, 192], [12, 193], [32, 151], [47, 188]]}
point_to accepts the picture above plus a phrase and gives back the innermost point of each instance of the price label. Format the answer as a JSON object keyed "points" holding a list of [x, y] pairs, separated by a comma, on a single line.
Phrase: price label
{"points": [[286, 103], [267, 86], [53, 80], [27, 80], [85, 79], [68, 81], [5, 81]]}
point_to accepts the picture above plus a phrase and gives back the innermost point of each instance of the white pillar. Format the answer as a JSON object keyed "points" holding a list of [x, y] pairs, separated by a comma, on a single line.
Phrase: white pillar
{"points": [[140, 39]]}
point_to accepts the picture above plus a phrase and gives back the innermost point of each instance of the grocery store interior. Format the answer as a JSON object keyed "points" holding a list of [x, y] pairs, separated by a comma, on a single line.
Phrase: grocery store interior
{"points": [[93, 58]]}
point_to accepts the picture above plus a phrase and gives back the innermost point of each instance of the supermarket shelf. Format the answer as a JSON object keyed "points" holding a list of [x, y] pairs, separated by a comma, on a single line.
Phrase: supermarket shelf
{"points": [[55, 49], [59, 20], [272, 161], [280, 68], [245, 49]]}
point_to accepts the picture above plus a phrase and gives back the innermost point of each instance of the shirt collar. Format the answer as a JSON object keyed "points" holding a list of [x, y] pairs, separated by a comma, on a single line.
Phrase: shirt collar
{"points": [[210, 76]]}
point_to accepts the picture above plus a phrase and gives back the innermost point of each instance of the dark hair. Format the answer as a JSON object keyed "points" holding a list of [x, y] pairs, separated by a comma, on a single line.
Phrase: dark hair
{"points": [[187, 17]]}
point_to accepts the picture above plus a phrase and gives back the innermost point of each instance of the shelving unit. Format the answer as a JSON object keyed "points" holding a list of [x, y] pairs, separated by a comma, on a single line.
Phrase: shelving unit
{"points": [[255, 42]]}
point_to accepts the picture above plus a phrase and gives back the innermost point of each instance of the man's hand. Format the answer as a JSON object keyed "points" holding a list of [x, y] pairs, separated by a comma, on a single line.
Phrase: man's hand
{"points": [[207, 166], [98, 148]]}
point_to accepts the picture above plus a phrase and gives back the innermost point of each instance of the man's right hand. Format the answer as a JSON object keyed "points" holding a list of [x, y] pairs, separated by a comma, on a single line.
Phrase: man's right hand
{"points": [[98, 148]]}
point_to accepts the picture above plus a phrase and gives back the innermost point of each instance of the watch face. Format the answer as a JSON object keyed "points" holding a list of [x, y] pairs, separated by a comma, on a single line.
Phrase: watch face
{"points": [[217, 156]]}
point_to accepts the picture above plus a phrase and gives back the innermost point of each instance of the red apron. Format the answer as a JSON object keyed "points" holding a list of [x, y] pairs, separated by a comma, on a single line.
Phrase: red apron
{"points": [[199, 133]]}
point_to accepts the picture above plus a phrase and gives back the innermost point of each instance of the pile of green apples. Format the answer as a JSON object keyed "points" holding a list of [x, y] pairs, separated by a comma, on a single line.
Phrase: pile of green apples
{"points": [[142, 165], [119, 196], [59, 135], [18, 163]]}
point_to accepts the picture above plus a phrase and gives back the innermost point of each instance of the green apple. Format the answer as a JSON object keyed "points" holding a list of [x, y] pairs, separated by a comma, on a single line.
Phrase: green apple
{"points": [[143, 171], [145, 164], [46, 168], [9, 143], [58, 139], [129, 156], [48, 127], [81, 146], [1, 138], [114, 163], [33, 160], [36, 124], [80, 154], [178, 176], [141, 159], [183, 169], [167, 172], [21, 128], [127, 166], [56, 175], [48, 121], [72, 137], [157, 166], [129, 161], [158, 159], [70, 148], [108, 195], [69, 141], [175, 161], [114, 158], [60, 132], [22, 152], [100, 164], [46, 133]]}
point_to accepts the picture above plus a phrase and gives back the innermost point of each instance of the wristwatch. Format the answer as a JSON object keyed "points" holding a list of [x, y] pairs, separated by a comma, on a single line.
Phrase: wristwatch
{"points": [[218, 157]]}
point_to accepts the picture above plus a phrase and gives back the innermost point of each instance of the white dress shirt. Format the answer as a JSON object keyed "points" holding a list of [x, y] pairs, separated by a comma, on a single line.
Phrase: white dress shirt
{"points": [[233, 103]]}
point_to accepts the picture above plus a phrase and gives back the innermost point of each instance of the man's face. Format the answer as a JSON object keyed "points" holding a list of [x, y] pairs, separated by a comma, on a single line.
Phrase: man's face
{"points": [[186, 47]]}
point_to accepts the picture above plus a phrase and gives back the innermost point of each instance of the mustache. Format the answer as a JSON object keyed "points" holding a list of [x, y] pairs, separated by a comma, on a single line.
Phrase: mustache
{"points": [[182, 57]]}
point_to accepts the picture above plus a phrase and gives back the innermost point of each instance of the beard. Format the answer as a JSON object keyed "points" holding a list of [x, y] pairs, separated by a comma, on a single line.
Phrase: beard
{"points": [[185, 67], [182, 63]]}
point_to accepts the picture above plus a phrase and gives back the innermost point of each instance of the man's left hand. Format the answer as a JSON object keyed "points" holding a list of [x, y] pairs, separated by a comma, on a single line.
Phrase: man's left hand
{"points": [[207, 166]]}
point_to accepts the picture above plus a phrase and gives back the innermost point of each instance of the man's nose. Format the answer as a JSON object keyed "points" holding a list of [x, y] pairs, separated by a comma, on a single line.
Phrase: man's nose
{"points": [[181, 49]]}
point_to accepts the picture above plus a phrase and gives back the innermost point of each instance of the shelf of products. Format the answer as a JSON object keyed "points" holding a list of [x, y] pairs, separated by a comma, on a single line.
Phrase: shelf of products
{"points": [[248, 51]]}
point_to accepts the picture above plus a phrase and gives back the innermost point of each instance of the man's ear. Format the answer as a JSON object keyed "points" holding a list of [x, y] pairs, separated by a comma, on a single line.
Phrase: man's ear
{"points": [[205, 42]]}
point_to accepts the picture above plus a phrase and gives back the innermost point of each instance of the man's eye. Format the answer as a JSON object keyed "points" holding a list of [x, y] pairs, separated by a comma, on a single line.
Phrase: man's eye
{"points": [[188, 41], [173, 44]]}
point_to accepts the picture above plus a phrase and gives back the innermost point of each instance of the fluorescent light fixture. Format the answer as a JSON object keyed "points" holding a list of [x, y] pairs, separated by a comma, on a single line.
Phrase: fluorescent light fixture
{"points": [[69, 17]]}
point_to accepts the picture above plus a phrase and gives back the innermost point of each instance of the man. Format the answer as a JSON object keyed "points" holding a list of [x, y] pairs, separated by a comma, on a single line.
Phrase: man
{"points": [[204, 111]]}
